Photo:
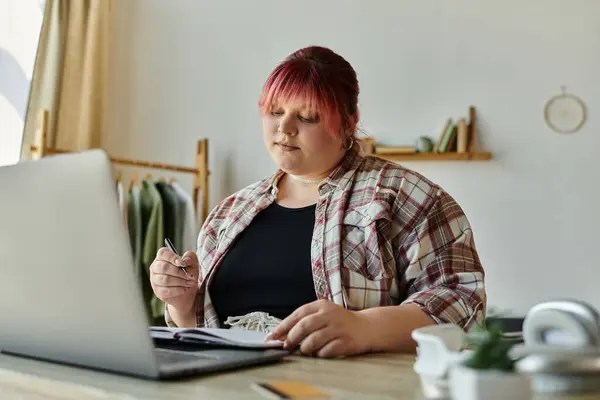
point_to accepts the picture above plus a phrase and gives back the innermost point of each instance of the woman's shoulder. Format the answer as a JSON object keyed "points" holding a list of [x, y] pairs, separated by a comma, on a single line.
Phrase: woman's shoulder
{"points": [[390, 176], [381, 187]]}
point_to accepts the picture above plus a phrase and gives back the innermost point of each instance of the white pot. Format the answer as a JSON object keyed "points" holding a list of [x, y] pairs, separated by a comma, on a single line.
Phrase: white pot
{"points": [[472, 384]]}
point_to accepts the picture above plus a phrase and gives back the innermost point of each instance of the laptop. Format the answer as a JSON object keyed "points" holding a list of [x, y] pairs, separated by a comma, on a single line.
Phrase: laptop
{"points": [[68, 290]]}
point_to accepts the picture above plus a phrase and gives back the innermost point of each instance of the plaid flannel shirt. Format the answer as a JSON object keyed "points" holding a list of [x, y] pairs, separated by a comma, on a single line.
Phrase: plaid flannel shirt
{"points": [[384, 235]]}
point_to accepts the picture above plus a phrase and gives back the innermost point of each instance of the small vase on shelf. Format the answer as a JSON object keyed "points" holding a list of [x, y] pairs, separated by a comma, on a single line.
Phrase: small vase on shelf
{"points": [[424, 144]]}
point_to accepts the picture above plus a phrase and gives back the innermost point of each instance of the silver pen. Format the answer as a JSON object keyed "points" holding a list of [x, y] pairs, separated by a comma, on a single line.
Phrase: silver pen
{"points": [[172, 248]]}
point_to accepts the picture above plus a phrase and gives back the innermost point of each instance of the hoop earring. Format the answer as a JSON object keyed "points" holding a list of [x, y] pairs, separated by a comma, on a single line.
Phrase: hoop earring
{"points": [[351, 143]]}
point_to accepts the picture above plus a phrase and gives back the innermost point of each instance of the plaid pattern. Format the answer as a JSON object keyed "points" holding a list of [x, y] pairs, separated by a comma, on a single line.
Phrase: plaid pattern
{"points": [[384, 235]]}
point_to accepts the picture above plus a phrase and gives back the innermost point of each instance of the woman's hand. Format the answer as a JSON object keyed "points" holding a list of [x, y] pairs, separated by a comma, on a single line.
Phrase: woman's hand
{"points": [[324, 329], [173, 286]]}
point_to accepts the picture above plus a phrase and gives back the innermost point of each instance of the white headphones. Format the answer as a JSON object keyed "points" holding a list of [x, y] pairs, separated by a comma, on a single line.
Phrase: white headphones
{"points": [[561, 349], [562, 322]]}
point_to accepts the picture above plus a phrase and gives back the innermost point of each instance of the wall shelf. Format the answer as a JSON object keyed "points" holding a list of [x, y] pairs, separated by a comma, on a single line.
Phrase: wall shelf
{"points": [[454, 156], [458, 142]]}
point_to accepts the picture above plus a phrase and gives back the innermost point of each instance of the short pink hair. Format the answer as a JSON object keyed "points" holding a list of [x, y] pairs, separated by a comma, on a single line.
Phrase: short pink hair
{"points": [[324, 79]]}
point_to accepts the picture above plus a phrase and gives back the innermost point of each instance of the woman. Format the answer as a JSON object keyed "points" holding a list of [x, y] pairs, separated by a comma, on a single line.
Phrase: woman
{"points": [[351, 252]]}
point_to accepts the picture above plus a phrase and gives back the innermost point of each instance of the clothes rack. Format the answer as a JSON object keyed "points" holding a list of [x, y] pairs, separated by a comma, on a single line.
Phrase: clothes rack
{"points": [[200, 169]]}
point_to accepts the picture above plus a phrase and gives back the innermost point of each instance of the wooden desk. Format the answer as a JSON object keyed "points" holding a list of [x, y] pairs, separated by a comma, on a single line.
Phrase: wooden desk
{"points": [[366, 377]]}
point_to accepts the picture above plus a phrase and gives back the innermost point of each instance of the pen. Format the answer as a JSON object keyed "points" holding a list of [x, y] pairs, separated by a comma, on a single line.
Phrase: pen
{"points": [[172, 248]]}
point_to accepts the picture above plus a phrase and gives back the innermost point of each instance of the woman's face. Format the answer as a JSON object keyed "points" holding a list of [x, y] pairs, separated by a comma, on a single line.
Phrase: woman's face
{"points": [[299, 142]]}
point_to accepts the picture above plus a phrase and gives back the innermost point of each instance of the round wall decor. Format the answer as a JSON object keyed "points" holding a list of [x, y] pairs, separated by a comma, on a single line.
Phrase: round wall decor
{"points": [[565, 113]]}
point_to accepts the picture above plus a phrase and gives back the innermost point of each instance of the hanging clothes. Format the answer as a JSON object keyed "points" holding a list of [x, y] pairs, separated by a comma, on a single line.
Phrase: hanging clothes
{"points": [[134, 222], [180, 223], [122, 199], [155, 211], [172, 213], [153, 239], [190, 232]]}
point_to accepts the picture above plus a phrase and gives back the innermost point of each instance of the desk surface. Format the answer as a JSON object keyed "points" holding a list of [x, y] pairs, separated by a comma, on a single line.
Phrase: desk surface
{"points": [[381, 376]]}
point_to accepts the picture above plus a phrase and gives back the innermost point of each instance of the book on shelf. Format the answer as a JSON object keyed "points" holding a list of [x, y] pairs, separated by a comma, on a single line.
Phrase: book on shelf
{"points": [[472, 134], [462, 136], [448, 138], [445, 127]]}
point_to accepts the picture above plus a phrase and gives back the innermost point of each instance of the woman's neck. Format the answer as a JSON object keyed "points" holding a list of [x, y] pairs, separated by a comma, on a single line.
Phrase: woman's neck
{"points": [[307, 181], [301, 190], [295, 194]]}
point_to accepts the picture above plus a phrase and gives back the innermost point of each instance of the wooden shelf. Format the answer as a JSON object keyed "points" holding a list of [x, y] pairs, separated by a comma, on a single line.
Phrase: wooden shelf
{"points": [[455, 135], [453, 156]]}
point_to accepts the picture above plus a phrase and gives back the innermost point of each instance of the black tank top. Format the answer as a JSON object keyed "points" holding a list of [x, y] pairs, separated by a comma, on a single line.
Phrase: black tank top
{"points": [[268, 267]]}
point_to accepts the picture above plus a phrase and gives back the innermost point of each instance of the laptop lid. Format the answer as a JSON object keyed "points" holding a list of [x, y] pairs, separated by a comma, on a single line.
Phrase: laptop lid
{"points": [[68, 291]]}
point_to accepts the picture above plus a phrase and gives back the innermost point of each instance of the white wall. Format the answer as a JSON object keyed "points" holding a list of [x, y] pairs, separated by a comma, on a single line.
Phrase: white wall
{"points": [[188, 69]]}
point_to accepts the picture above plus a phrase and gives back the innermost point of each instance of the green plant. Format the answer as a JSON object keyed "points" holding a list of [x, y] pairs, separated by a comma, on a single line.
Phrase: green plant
{"points": [[490, 350]]}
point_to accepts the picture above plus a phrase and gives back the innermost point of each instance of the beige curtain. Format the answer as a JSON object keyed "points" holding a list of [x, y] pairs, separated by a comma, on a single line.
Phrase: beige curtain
{"points": [[70, 75]]}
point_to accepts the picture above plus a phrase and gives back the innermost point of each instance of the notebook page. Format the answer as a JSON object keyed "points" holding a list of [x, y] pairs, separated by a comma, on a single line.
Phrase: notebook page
{"points": [[239, 337]]}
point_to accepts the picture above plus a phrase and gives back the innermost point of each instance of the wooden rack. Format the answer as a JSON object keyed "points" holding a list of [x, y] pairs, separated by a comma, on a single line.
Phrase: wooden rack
{"points": [[200, 169]]}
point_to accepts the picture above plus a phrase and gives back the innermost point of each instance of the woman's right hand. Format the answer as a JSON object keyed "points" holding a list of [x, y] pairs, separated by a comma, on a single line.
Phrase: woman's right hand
{"points": [[173, 286]]}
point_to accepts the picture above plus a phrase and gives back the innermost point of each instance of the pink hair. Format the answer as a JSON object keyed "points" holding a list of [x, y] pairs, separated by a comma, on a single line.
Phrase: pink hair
{"points": [[322, 78]]}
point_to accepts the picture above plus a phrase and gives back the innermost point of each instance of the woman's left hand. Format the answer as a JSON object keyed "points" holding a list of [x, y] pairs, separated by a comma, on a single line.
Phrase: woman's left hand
{"points": [[324, 329]]}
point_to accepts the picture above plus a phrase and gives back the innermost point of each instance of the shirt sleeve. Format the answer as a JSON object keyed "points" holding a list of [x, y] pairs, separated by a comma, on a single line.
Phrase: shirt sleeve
{"points": [[444, 276]]}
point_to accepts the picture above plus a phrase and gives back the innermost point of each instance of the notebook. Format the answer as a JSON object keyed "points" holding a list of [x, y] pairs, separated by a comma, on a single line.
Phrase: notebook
{"points": [[239, 338]]}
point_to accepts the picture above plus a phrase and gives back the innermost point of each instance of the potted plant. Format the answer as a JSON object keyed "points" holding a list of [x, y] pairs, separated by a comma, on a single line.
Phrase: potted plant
{"points": [[489, 371]]}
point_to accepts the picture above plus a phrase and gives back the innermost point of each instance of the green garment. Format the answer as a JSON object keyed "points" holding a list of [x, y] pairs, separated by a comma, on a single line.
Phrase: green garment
{"points": [[153, 240], [173, 213], [181, 217], [134, 224]]}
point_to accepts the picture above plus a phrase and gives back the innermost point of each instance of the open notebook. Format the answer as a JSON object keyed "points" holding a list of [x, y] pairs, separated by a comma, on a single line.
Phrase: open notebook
{"points": [[224, 337]]}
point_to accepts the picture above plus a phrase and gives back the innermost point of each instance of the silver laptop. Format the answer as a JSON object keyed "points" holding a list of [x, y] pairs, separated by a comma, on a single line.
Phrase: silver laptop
{"points": [[68, 288]]}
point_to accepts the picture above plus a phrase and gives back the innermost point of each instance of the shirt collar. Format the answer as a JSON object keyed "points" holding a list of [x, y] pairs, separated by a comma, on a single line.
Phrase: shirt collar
{"points": [[342, 175]]}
